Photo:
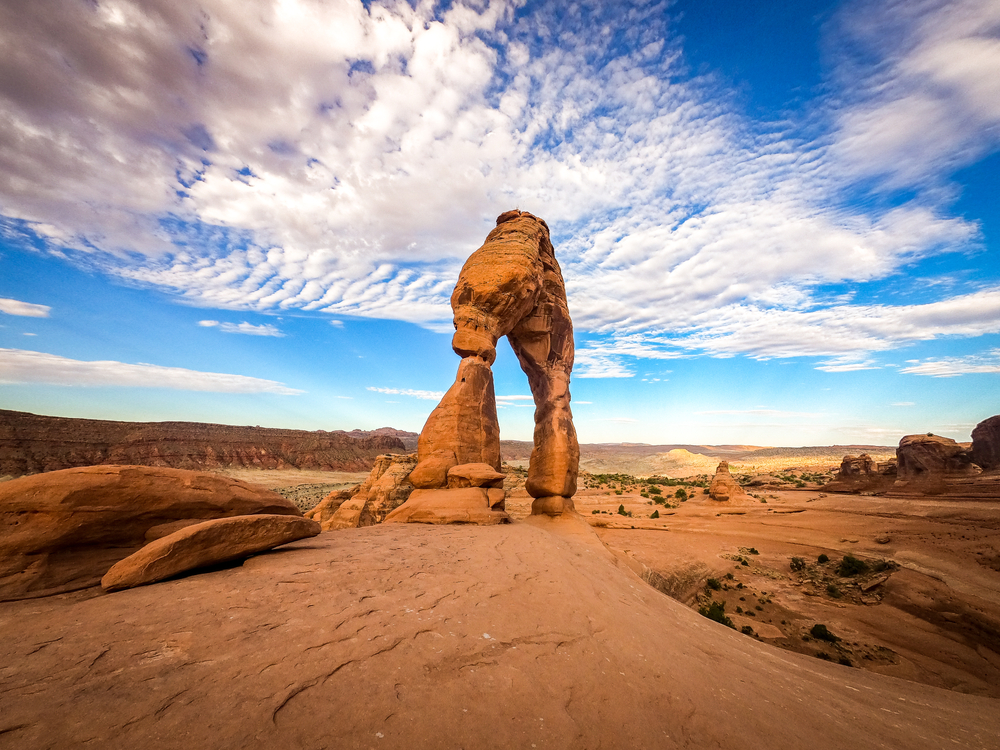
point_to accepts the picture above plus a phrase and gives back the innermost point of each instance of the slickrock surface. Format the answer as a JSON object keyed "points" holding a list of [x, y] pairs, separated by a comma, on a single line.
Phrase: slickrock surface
{"points": [[511, 286], [385, 489], [220, 540], [31, 443], [724, 488], [63, 530], [416, 636]]}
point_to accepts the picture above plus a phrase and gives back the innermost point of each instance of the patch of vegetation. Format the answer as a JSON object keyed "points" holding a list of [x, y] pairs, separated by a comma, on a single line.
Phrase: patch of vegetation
{"points": [[713, 584], [833, 591], [845, 661], [851, 566], [824, 558], [654, 490], [681, 494], [621, 510], [824, 656], [656, 514], [821, 632], [716, 611], [747, 630], [797, 564]]}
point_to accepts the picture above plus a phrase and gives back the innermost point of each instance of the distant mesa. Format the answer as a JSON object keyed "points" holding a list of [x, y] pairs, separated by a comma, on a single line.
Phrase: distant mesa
{"points": [[31, 443], [511, 286]]}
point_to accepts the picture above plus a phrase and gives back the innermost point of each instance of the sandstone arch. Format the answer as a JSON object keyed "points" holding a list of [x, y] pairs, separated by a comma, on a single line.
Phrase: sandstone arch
{"points": [[511, 286]]}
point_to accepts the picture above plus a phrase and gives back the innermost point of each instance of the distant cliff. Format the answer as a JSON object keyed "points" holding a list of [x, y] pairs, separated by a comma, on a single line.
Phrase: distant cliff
{"points": [[30, 444]]}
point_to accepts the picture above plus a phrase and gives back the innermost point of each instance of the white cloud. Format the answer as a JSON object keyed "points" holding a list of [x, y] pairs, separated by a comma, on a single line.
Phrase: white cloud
{"points": [[337, 323], [26, 309], [26, 367], [265, 329], [425, 395], [950, 367], [344, 158]]}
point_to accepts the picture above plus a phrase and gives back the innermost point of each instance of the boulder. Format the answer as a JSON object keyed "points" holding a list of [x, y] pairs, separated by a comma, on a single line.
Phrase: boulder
{"points": [[857, 466], [61, 531], [724, 487], [474, 475], [924, 463], [214, 542], [862, 474], [385, 489], [474, 505], [986, 443], [324, 510], [511, 286]]}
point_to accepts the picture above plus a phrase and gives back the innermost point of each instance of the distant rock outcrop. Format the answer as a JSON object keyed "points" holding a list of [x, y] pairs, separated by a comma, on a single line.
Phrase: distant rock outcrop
{"points": [[511, 286], [924, 463], [724, 487], [214, 542], [986, 443], [63, 530], [385, 489], [30, 443], [862, 474]]}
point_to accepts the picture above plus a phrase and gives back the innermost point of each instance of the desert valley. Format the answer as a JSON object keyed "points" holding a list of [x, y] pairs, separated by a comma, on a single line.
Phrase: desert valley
{"points": [[815, 605]]}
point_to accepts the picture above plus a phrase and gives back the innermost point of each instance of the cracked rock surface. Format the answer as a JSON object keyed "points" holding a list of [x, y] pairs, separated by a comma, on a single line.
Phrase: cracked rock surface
{"points": [[412, 636]]}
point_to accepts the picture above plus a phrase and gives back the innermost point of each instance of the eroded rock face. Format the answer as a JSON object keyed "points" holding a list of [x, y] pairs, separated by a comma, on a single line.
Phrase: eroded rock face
{"points": [[986, 443], [63, 530], [922, 456], [858, 466], [385, 489], [723, 486], [512, 286], [214, 542], [862, 474]]}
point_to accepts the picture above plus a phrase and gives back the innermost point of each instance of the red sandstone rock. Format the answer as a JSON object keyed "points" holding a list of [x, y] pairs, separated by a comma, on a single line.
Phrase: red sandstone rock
{"points": [[474, 475], [862, 474], [62, 530], [329, 505], [723, 486], [432, 471], [986, 443], [465, 505], [512, 286], [385, 489], [923, 456], [220, 540]]}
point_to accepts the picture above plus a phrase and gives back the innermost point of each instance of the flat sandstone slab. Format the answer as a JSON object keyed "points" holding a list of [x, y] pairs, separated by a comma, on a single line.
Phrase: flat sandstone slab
{"points": [[419, 636], [210, 543]]}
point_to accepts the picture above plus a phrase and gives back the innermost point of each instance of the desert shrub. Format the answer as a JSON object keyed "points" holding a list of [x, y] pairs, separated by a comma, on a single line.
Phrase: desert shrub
{"points": [[883, 565], [618, 492], [833, 591], [654, 490], [824, 558], [704, 491], [797, 564], [621, 510], [716, 611], [851, 566], [746, 630], [739, 610], [681, 494], [643, 494], [753, 551], [659, 500], [845, 661], [594, 512], [656, 514], [800, 484], [821, 632], [759, 608], [729, 576], [713, 583]]}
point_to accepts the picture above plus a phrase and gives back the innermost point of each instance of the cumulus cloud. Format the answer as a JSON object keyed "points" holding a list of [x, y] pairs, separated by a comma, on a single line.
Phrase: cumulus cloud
{"points": [[345, 156], [425, 395], [18, 366], [26, 309]]}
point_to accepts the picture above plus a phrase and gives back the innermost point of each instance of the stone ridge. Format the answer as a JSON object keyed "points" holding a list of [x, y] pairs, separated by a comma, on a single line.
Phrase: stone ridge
{"points": [[32, 443]]}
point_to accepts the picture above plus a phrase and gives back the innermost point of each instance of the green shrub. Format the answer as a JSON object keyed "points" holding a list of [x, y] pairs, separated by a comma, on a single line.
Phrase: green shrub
{"points": [[851, 566], [656, 514], [833, 591], [713, 583], [716, 611], [824, 558], [845, 661], [654, 490], [746, 630], [797, 564], [681, 494], [621, 510], [753, 551], [821, 633]]}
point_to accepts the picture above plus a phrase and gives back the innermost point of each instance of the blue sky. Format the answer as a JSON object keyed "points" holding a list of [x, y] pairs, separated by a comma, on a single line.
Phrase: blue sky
{"points": [[778, 222]]}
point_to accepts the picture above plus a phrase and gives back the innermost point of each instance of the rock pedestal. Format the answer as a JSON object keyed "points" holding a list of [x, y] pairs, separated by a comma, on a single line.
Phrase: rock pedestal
{"points": [[724, 487], [512, 286]]}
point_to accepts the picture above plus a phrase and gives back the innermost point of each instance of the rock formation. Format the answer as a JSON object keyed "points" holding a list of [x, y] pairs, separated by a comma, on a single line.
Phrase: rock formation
{"points": [[30, 443], [511, 286], [63, 530], [986, 443], [924, 463], [862, 474], [724, 487], [386, 488], [214, 542]]}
